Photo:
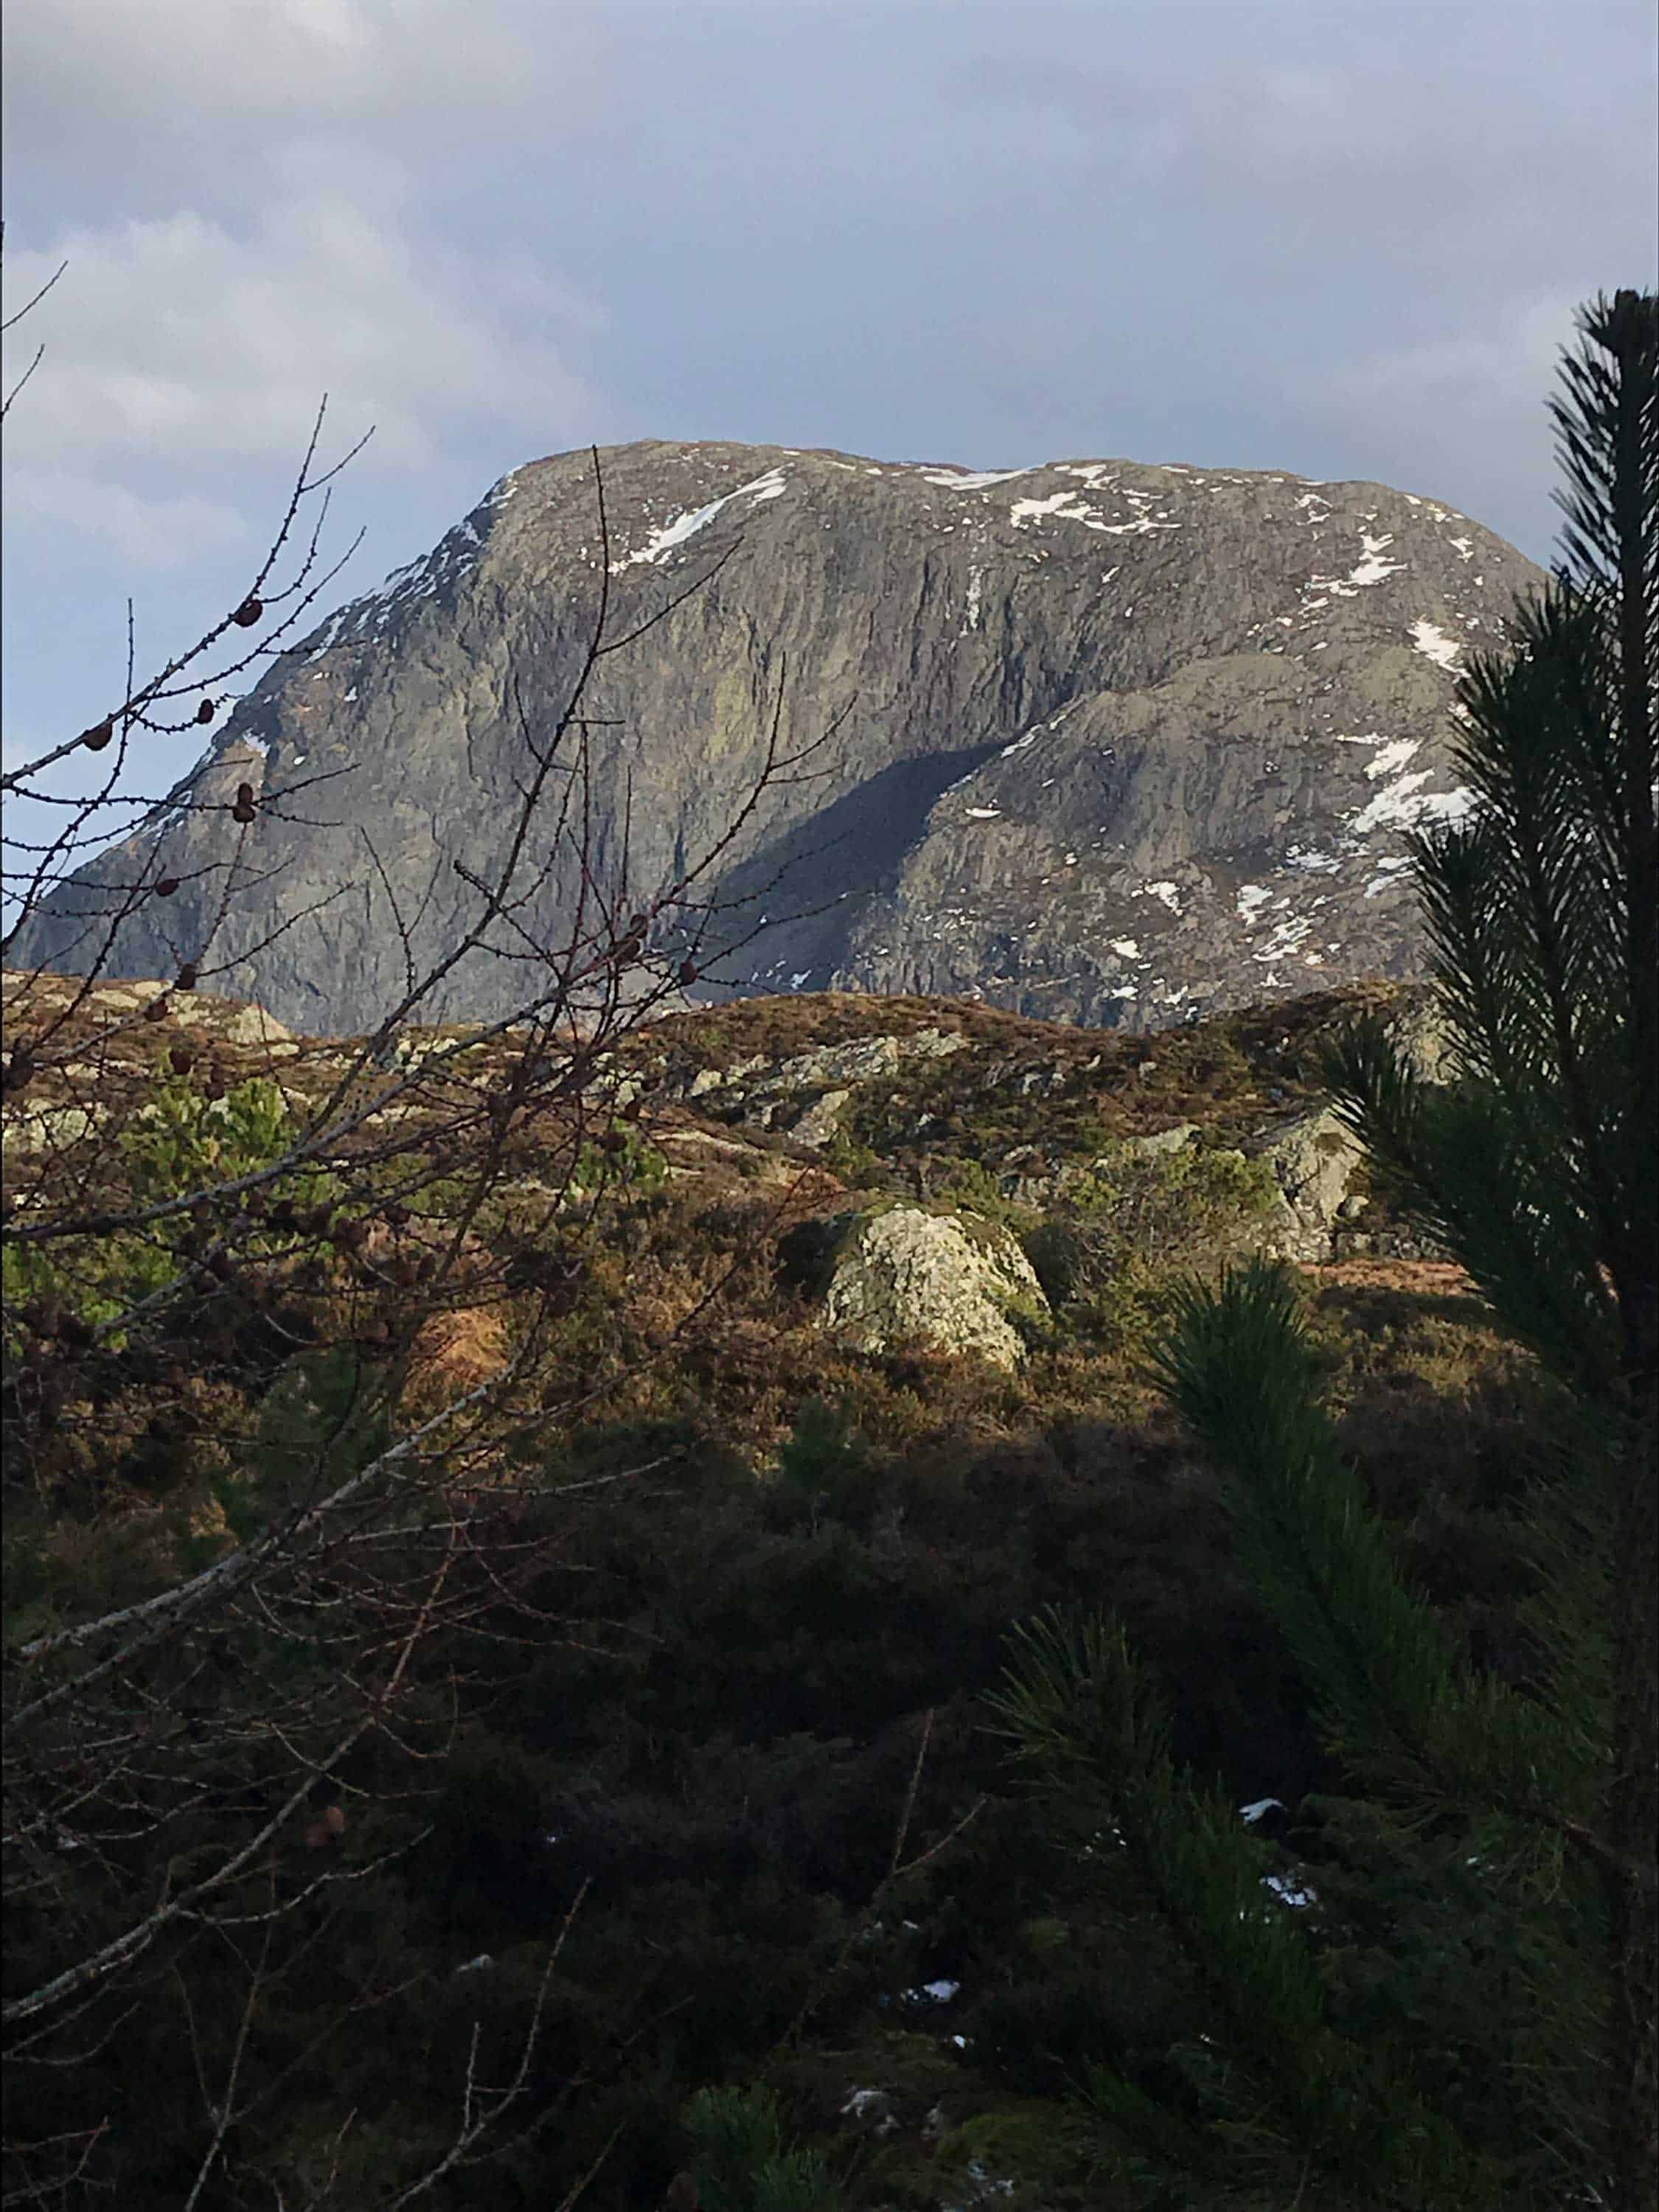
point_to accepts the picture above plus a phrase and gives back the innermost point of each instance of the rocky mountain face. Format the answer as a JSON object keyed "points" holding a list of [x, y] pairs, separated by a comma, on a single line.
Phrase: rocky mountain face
{"points": [[1108, 743]]}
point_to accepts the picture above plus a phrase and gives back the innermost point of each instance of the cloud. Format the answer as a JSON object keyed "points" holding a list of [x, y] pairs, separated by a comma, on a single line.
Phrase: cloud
{"points": [[1510, 360], [155, 533], [177, 346], [323, 58], [1435, 136]]}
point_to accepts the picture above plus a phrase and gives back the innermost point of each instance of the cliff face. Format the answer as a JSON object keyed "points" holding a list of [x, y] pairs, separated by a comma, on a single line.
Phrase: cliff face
{"points": [[1116, 743]]}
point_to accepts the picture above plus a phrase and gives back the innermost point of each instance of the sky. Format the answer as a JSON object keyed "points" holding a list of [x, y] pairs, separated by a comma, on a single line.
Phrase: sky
{"points": [[1343, 238]]}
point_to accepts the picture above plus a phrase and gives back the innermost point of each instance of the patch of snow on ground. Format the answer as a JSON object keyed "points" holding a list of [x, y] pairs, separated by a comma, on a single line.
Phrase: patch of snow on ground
{"points": [[1251, 899], [984, 813], [1306, 861], [1373, 568], [1440, 648], [1167, 892], [1393, 808], [1392, 757], [331, 631], [1020, 744], [1465, 548], [1251, 1814], [1126, 947], [969, 479], [1092, 472], [1285, 937], [975, 579], [662, 542], [1388, 876], [1063, 503]]}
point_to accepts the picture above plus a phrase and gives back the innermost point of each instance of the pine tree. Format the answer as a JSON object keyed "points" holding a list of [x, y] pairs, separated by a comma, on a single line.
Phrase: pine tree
{"points": [[1537, 1165]]}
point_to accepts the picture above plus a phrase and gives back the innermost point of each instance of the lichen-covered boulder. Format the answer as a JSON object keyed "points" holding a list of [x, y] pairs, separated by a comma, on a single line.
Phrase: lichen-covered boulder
{"points": [[953, 1280], [1312, 1157], [819, 1125], [1420, 1031]]}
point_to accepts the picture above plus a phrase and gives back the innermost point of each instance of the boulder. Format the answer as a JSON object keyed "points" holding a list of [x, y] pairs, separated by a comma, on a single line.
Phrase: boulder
{"points": [[1418, 1029], [1312, 1157], [818, 1125], [1165, 1140], [951, 1279], [237, 1024], [51, 1129]]}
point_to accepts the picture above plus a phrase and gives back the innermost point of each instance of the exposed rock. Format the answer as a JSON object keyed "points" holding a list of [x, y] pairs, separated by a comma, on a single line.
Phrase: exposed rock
{"points": [[862, 1061], [1164, 1140], [1313, 1157], [248, 1024], [948, 1279], [1125, 743], [50, 1128], [1419, 1028], [818, 1125]]}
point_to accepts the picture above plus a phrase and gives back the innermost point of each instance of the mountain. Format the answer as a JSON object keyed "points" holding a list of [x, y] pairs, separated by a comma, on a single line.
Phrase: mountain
{"points": [[1103, 742]]}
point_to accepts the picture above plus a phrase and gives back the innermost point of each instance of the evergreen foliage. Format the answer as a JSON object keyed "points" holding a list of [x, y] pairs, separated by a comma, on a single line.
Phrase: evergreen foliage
{"points": [[1535, 1166]]}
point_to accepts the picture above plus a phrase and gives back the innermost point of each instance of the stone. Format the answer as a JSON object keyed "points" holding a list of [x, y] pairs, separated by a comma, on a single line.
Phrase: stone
{"points": [[948, 1279], [1419, 1028], [819, 1124], [1165, 1140], [236, 1023], [51, 1129], [1313, 1157]]}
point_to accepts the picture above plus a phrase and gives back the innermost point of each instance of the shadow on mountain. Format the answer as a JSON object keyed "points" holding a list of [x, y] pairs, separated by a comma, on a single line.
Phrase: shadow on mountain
{"points": [[817, 877]]}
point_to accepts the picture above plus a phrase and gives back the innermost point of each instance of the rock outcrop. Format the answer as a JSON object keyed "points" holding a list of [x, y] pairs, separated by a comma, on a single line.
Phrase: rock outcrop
{"points": [[1121, 744], [949, 1280], [1312, 1157]]}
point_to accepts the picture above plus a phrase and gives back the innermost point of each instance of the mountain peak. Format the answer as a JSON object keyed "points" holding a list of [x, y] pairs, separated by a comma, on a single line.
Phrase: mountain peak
{"points": [[1107, 741]]}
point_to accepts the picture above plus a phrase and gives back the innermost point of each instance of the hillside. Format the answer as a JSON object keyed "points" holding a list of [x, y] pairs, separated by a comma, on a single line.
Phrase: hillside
{"points": [[776, 1556], [1096, 741]]}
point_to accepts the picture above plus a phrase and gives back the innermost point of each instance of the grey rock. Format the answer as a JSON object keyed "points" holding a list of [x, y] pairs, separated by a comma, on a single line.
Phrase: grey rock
{"points": [[819, 1125], [1165, 1140], [948, 1279], [863, 1061], [50, 1128], [1313, 1157], [1125, 743]]}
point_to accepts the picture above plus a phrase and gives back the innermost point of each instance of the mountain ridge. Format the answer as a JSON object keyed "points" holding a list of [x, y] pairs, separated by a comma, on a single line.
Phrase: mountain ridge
{"points": [[1235, 684]]}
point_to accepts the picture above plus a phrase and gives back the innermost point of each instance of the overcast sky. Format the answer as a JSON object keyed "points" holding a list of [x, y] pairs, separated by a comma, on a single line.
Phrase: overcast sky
{"points": [[1345, 239]]}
